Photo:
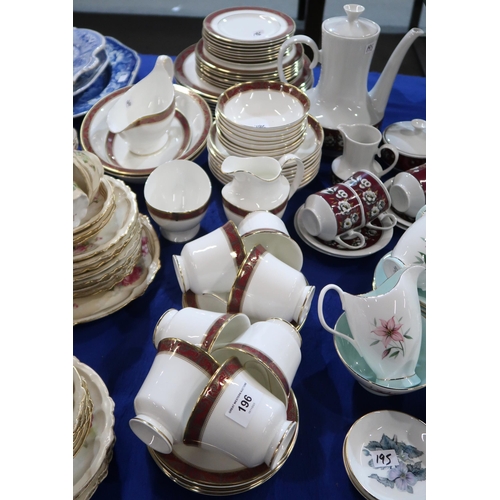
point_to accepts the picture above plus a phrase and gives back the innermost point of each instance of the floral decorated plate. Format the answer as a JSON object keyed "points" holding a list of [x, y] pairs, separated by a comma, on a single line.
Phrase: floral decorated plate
{"points": [[87, 45], [90, 464], [107, 302], [375, 241], [385, 456], [120, 72]]}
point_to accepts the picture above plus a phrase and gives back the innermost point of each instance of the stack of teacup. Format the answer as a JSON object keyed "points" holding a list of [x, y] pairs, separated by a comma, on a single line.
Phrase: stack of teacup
{"points": [[220, 383], [107, 240], [264, 118], [340, 212], [82, 411], [242, 272]]}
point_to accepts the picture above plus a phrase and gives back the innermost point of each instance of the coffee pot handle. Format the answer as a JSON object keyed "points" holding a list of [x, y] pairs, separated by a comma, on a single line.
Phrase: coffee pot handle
{"points": [[322, 318], [298, 39]]}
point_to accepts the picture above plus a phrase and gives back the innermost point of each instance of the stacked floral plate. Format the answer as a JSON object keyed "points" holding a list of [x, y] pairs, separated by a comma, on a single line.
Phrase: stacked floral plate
{"points": [[241, 44], [265, 119], [90, 463], [187, 137]]}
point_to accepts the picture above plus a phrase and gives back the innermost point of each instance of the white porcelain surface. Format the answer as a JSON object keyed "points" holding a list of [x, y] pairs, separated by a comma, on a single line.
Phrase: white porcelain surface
{"points": [[215, 302], [177, 195], [408, 137], [266, 288], [177, 377], [80, 205], [407, 195], [258, 434], [210, 263], [91, 462], [384, 432], [386, 326], [206, 329]]}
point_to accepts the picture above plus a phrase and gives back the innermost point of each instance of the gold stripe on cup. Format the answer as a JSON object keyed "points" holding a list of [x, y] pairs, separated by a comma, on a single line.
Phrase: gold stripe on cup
{"points": [[242, 212], [177, 216], [235, 242], [215, 330]]}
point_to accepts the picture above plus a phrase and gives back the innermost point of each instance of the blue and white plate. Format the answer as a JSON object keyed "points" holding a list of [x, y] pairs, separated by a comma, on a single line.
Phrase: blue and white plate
{"points": [[87, 79], [120, 72], [87, 44]]}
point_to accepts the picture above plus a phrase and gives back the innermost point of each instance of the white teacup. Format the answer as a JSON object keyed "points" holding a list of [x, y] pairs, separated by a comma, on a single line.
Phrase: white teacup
{"points": [[238, 416], [267, 288], [177, 195], [269, 230], [209, 264], [178, 375], [408, 191], [206, 329], [409, 250], [216, 302], [270, 352]]}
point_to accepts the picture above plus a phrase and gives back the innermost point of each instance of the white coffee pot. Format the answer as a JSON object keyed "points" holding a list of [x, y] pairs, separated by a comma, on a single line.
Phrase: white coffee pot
{"points": [[347, 48]]}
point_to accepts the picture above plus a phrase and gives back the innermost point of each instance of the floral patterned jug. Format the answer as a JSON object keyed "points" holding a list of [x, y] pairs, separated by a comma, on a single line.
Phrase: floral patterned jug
{"points": [[386, 326]]}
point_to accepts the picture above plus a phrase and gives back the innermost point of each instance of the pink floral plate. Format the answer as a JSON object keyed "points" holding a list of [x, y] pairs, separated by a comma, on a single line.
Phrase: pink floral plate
{"points": [[132, 286]]}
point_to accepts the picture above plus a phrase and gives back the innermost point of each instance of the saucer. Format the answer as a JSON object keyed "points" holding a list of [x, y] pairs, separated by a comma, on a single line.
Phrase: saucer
{"points": [[94, 134], [179, 136], [120, 72], [359, 369], [375, 241], [403, 222], [90, 464], [379, 277], [107, 302], [383, 437], [214, 473]]}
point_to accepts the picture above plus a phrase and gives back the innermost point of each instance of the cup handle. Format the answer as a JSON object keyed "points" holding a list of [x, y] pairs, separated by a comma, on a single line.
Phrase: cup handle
{"points": [[396, 157], [322, 318], [351, 234], [392, 221], [299, 172], [297, 39]]}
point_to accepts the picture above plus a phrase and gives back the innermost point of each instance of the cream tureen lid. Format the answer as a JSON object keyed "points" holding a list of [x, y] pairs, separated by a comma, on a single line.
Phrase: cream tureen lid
{"points": [[351, 26], [407, 137]]}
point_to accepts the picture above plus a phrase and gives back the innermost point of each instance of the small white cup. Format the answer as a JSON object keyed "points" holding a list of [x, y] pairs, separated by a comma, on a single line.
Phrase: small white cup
{"points": [[407, 191], [270, 352], [209, 264], [269, 230], [177, 195], [178, 375], [409, 250], [215, 302], [238, 416], [267, 288], [205, 329]]}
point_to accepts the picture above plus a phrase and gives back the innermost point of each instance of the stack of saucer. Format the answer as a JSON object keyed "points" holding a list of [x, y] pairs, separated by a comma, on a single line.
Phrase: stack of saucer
{"points": [[241, 44], [111, 252], [265, 119], [82, 411]]}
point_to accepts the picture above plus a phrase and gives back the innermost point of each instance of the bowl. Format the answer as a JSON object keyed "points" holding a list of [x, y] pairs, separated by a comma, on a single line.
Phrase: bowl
{"points": [[409, 138], [362, 373], [177, 195]]}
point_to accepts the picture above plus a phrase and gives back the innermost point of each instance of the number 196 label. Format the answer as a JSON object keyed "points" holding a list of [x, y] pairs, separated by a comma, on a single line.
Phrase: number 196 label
{"points": [[384, 458], [243, 406]]}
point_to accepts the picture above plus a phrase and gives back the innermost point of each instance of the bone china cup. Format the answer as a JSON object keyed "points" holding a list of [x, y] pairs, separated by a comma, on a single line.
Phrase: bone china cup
{"points": [[266, 288], [177, 195], [210, 263], [235, 414], [178, 375], [206, 329], [408, 191]]}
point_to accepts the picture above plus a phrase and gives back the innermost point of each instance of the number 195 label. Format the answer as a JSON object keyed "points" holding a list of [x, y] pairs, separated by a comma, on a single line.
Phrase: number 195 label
{"points": [[384, 458]]}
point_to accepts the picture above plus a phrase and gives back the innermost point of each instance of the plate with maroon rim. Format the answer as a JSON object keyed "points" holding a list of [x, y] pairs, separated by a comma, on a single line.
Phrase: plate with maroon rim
{"points": [[375, 240], [198, 476]]}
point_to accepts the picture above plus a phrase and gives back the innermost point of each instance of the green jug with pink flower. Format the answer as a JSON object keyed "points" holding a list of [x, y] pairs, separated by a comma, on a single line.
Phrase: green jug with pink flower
{"points": [[386, 326]]}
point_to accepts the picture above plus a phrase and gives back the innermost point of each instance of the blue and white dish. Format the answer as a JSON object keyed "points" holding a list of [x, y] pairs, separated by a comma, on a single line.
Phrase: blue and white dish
{"points": [[120, 72], [87, 79], [87, 44]]}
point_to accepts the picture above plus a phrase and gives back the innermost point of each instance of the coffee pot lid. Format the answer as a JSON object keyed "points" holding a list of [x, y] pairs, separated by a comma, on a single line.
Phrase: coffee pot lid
{"points": [[351, 26], [407, 137]]}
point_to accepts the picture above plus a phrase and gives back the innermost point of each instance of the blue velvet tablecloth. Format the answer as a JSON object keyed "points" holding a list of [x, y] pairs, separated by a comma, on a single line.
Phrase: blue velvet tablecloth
{"points": [[119, 348]]}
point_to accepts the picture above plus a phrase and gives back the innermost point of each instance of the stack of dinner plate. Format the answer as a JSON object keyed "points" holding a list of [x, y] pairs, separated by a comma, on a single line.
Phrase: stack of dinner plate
{"points": [[241, 44], [265, 119]]}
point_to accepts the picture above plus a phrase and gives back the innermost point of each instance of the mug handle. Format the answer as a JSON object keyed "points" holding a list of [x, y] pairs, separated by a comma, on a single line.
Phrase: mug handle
{"points": [[299, 172], [389, 217], [396, 157], [322, 320], [297, 39], [352, 234]]}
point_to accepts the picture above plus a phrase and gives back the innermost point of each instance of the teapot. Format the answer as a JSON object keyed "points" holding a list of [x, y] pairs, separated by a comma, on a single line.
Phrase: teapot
{"points": [[258, 184], [386, 326], [347, 48]]}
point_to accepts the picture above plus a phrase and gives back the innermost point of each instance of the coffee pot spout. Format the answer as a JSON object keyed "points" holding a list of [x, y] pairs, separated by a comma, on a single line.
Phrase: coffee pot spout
{"points": [[379, 94]]}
